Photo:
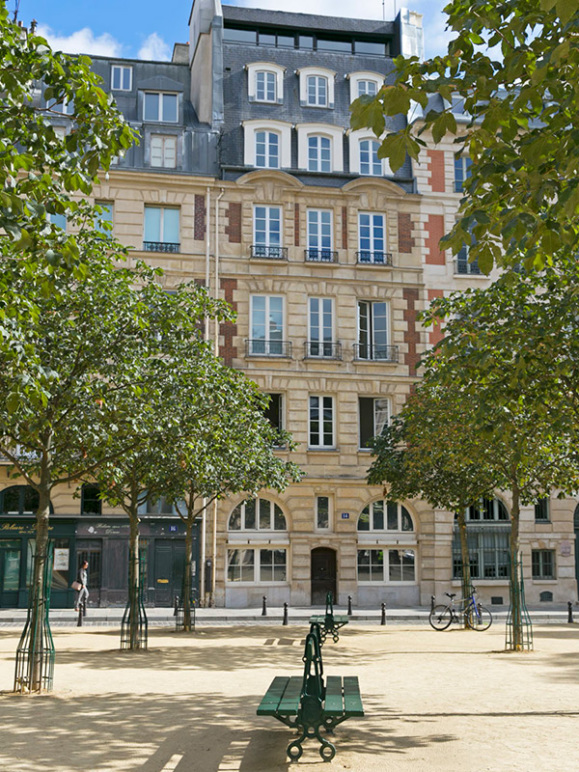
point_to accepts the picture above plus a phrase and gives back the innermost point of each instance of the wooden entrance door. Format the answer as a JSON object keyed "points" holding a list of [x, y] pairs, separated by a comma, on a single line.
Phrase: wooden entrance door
{"points": [[323, 575]]}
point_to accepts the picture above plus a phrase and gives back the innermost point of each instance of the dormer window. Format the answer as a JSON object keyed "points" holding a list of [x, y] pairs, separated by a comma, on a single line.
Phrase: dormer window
{"points": [[267, 144], [265, 82], [320, 147], [160, 106], [121, 77], [364, 155], [316, 87], [317, 94], [365, 83]]}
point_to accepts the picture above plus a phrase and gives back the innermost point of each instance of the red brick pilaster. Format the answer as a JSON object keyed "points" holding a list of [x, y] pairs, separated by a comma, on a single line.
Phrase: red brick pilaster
{"points": [[296, 225], [436, 168], [405, 240], [228, 329], [233, 228], [435, 333], [344, 227], [434, 232], [200, 219], [411, 336]]}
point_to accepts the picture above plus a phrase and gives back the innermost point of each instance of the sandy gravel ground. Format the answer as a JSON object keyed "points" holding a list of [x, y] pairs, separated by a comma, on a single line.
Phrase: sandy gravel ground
{"points": [[435, 702]]}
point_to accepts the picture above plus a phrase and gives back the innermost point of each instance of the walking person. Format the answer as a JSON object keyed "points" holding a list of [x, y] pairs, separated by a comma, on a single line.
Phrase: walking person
{"points": [[82, 579]]}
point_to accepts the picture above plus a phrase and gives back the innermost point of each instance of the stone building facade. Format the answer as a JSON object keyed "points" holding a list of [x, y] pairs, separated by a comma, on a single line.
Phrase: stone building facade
{"points": [[249, 179]]}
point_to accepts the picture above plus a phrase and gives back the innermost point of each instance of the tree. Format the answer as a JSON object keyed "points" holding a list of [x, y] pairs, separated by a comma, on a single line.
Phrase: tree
{"points": [[432, 450], [512, 69], [39, 169], [501, 349], [232, 450]]}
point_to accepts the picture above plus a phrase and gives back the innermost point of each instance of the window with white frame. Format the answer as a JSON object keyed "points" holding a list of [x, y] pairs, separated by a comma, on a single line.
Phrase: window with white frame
{"points": [[257, 565], [386, 565], [322, 513], [321, 328], [161, 229], [163, 151], [160, 107], [265, 82], [319, 154], [267, 149], [373, 331], [367, 88], [319, 235], [257, 515], [66, 107], [374, 415], [462, 170], [267, 225], [364, 83], [266, 325], [121, 77], [316, 87], [364, 146], [372, 238], [370, 164], [321, 422], [267, 144], [383, 515]]}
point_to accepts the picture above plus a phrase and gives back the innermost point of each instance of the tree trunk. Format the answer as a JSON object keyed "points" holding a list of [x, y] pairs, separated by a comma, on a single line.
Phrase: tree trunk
{"points": [[464, 556], [134, 581], [187, 578], [38, 596], [515, 585]]}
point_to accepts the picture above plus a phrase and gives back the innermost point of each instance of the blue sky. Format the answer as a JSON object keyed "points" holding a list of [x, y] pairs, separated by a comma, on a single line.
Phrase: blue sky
{"points": [[147, 29]]}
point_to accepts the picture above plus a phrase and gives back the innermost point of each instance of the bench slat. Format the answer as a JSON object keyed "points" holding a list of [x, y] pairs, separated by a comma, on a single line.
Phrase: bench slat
{"points": [[352, 698], [288, 705], [334, 704], [271, 699]]}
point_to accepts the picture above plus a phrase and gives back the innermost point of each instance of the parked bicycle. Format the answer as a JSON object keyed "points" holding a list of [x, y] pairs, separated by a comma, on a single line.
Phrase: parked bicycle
{"points": [[475, 616]]}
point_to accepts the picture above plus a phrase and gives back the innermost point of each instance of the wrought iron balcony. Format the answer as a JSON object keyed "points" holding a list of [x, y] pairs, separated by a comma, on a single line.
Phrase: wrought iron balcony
{"points": [[259, 347], [464, 268], [321, 256], [161, 246], [315, 349], [374, 258], [269, 253], [375, 353]]}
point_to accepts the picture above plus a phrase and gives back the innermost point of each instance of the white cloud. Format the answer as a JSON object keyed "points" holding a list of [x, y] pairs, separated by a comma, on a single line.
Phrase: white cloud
{"points": [[82, 42], [154, 48]]}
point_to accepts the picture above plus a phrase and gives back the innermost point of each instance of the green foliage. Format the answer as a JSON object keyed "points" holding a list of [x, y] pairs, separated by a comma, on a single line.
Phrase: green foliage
{"points": [[513, 64]]}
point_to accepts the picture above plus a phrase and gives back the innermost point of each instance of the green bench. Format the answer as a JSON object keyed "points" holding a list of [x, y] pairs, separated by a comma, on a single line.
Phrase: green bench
{"points": [[329, 622], [309, 704]]}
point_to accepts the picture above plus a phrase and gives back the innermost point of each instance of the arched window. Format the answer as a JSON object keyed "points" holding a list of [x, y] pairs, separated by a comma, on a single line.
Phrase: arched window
{"points": [[267, 149], [257, 515], [319, 154], [19, 500], [370, 164], [487, 510], [367, 88], [385, 516]]}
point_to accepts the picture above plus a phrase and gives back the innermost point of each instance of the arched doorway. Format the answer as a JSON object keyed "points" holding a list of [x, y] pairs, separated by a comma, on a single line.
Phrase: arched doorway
{"points": [[323, 575]]}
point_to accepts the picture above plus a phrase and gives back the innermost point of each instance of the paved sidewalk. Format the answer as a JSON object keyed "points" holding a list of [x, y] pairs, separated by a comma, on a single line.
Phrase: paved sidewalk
{"points": [[161, 617]]}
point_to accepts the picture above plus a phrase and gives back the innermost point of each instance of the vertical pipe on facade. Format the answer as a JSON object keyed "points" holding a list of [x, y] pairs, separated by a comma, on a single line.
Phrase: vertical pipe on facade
{"points": [[205, 337], [216, 344]]}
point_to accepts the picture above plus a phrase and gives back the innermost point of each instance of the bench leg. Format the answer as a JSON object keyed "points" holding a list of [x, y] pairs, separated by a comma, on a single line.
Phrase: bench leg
{"points": [[327, 749]]}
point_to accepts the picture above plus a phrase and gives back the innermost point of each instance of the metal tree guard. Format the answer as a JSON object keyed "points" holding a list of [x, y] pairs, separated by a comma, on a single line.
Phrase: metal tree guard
{"points": [[519, 631], [35, 652], [141, 624]]}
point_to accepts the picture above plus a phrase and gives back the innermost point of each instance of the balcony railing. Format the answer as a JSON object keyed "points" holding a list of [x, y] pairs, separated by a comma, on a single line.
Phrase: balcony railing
{"points": [[321, 256], [464, 268], [375, 353], [374, 258], [161, 246], [322, 350], [269, 253], [258, 347]]}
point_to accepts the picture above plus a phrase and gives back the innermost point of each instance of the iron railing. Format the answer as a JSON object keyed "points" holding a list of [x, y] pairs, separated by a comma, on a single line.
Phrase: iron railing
{"points": [[161, 246], [268, 348], [322, 350], [374, 258], [375, 353], [321, 256], [269, 253]]}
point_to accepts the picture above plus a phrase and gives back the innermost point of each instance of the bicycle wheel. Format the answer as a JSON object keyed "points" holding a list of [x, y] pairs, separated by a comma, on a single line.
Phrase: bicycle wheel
{"points": [[440, 617], [479, 618]]}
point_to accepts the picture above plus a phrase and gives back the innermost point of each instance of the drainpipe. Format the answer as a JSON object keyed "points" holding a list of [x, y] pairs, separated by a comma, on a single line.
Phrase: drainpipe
{"points": [[205, 337], [216, 349]]}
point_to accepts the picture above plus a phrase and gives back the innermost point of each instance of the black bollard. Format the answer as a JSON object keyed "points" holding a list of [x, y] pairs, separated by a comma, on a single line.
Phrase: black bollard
{"points": [[432, 602], [284, 614], [84, 608], [349, 605], [383, 619], [264, 607], [176, 605], [80, 616], [570, 612]]}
